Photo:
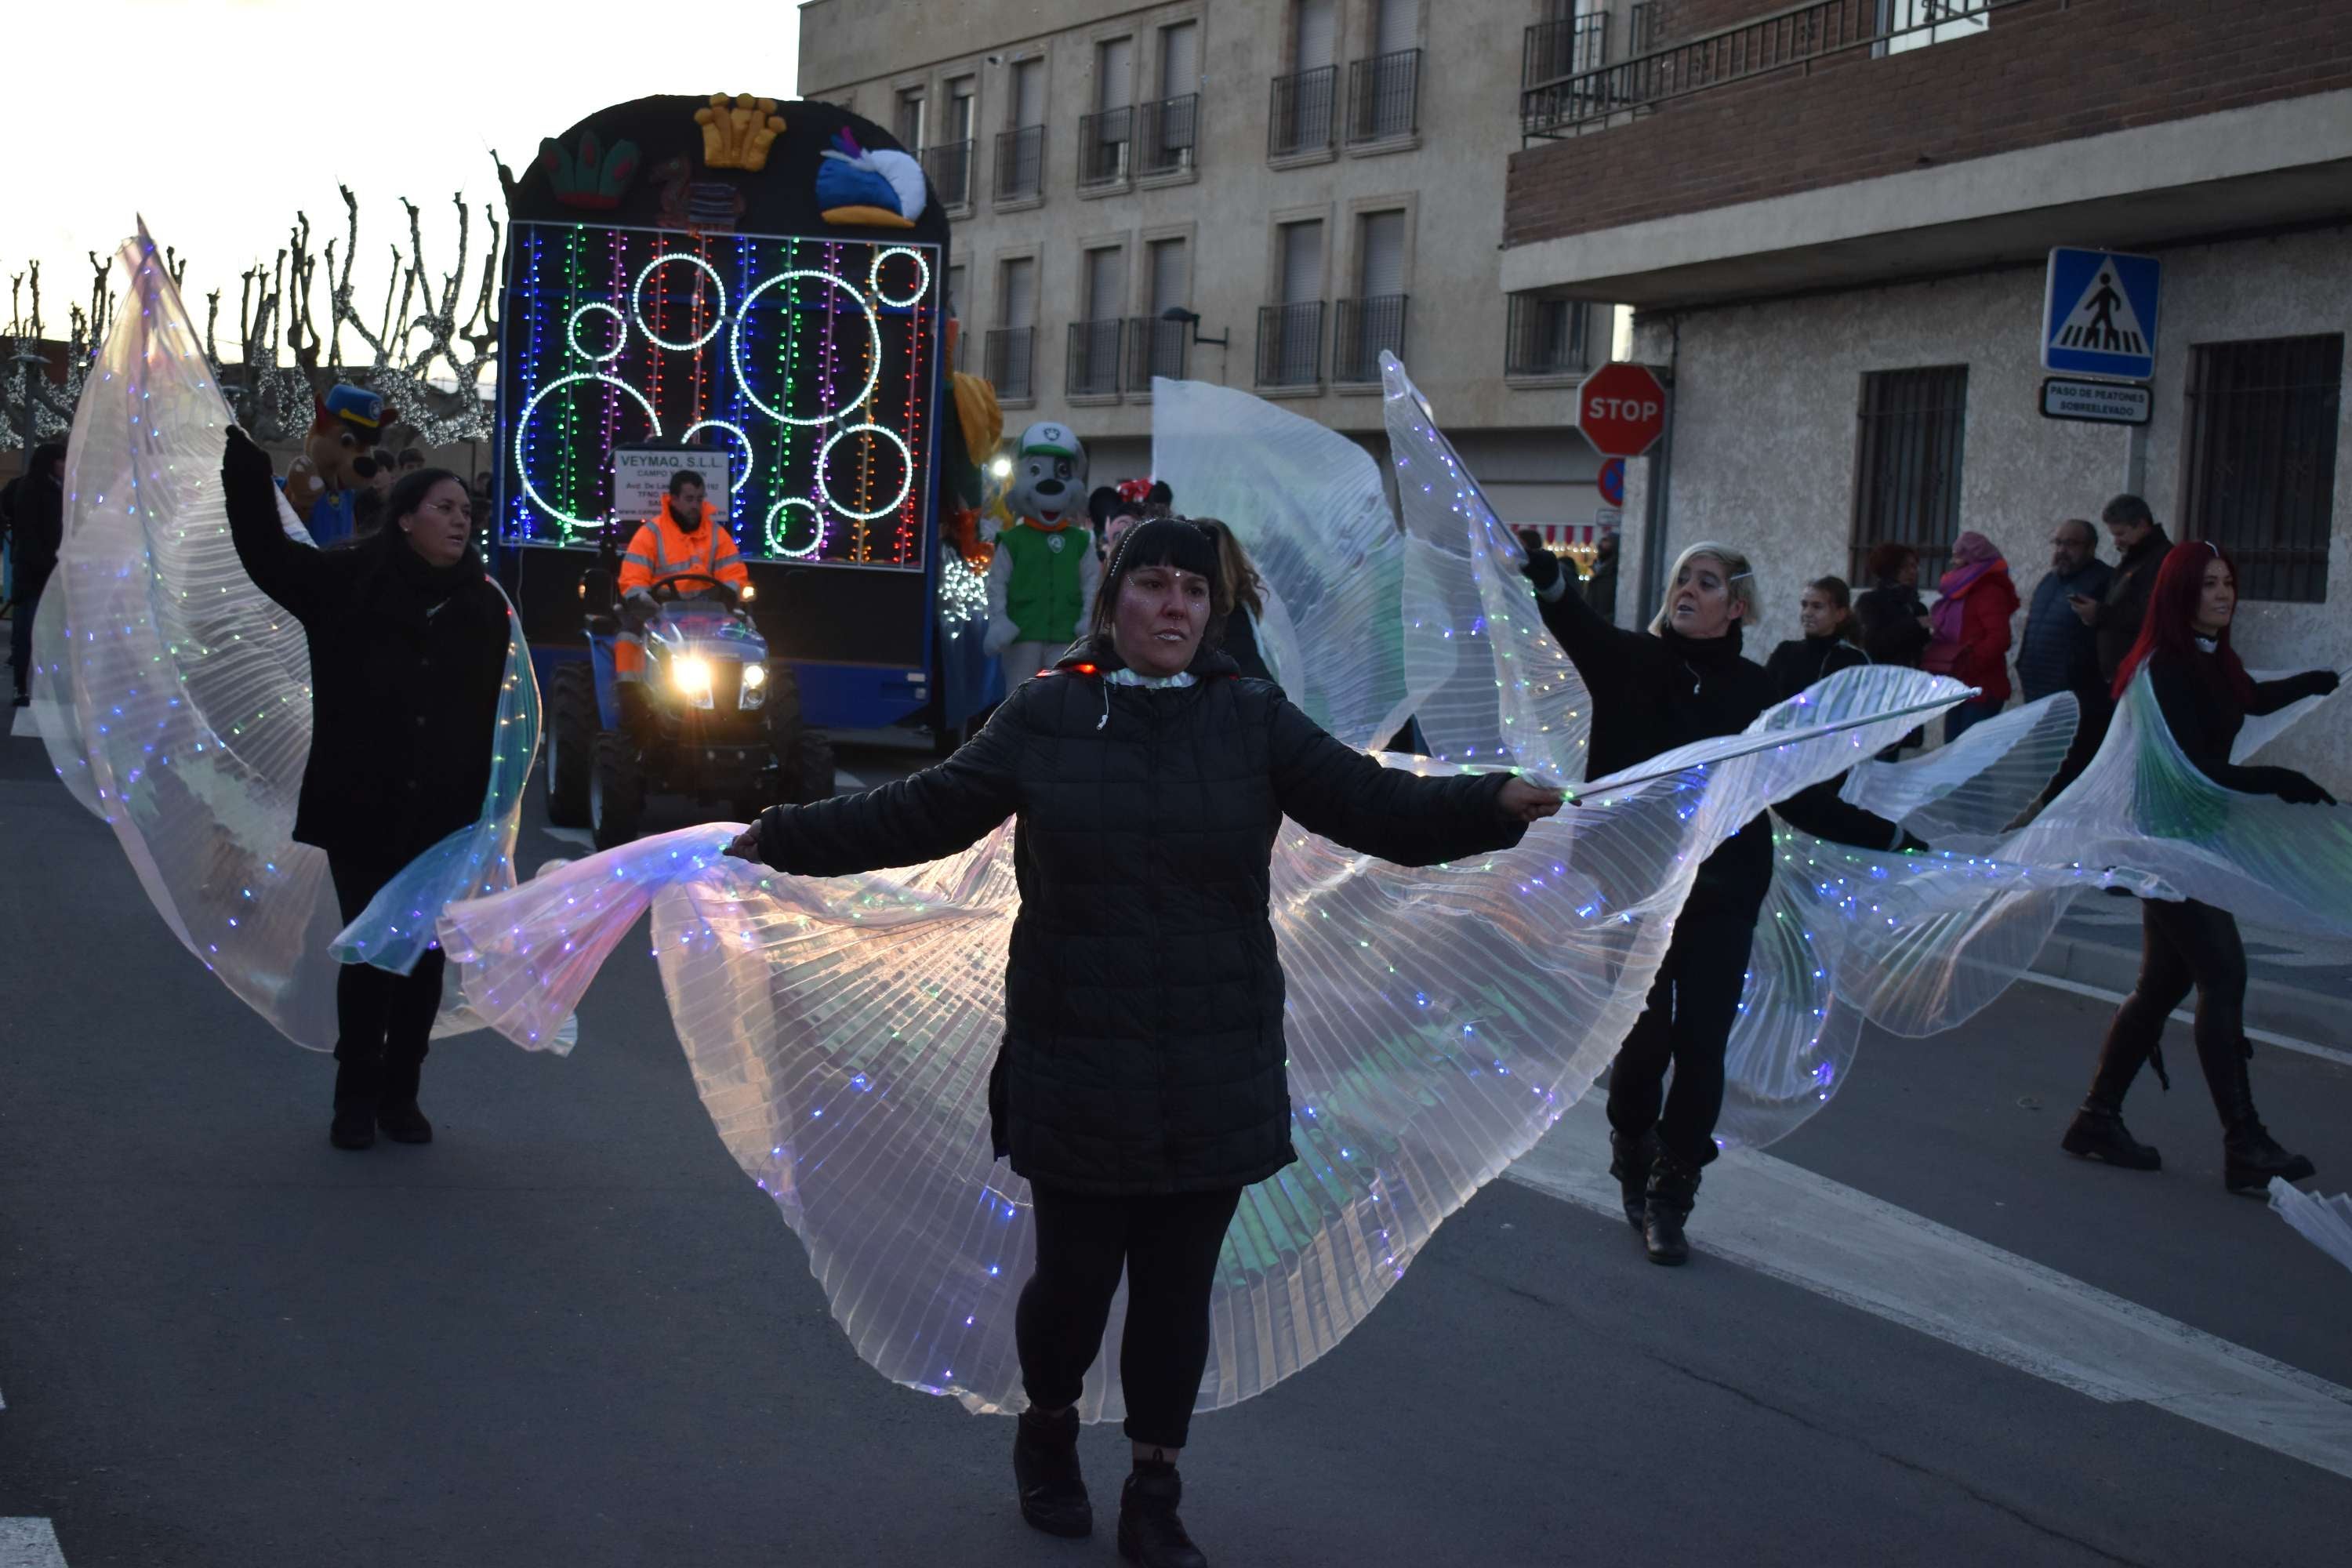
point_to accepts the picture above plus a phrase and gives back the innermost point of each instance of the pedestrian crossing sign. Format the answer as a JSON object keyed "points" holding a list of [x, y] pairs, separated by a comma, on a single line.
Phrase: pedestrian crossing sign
{"points": [[2098, 314]]}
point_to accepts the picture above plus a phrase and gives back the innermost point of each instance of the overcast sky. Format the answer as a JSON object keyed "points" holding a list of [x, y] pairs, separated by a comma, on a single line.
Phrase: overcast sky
{"points": [[218, 120]]}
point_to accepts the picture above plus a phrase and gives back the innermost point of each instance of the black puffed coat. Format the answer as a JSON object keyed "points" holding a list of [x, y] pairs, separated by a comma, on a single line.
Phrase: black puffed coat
{"points": [[1143, 997], [407, 661]]}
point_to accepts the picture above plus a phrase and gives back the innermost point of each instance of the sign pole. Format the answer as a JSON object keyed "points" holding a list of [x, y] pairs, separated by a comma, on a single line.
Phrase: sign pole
{"points": [[2136, 459]]}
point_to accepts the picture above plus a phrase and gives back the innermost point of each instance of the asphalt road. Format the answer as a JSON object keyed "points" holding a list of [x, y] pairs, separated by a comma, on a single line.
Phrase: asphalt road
{"points": [[569, 1332]]}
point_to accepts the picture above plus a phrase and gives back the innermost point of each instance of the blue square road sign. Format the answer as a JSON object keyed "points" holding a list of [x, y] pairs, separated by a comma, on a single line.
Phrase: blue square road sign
{"points": [[2098, 314]]}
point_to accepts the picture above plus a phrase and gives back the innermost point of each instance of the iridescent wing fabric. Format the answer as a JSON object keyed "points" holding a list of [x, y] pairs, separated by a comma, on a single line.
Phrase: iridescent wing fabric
{"points": [[841, 1033], [175, 699]]}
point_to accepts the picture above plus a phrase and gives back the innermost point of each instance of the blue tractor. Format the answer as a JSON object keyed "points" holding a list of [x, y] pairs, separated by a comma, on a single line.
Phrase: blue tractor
{"points": [[715, 718]]}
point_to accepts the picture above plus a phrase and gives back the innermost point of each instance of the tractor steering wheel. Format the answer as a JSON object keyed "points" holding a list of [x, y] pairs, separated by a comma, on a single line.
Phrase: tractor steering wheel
{"points": [[666, 590]]}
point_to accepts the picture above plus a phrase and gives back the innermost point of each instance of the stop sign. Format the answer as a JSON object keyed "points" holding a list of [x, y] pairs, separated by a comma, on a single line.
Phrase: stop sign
{"points": [[1622, 409]]}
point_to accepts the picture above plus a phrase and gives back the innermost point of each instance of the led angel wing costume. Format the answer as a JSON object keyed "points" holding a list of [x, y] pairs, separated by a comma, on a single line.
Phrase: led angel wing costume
{"points": [[174, 698]]}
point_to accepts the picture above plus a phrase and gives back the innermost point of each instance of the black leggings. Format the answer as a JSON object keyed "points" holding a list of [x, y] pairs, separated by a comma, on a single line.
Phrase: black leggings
{"points": [[383, 1022], [2183, 945], [1168, 1245], [1685, 1024]]}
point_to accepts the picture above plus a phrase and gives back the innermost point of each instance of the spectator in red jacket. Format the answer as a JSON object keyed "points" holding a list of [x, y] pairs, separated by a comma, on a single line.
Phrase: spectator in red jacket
{"points": [[1969, 630]]}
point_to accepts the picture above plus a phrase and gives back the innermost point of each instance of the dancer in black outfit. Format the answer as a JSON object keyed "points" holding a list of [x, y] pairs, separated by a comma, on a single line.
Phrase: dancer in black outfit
{"points": [[2205, 695], [1684, 681], [1830, 642], [408, 652], [1141, 1083]]}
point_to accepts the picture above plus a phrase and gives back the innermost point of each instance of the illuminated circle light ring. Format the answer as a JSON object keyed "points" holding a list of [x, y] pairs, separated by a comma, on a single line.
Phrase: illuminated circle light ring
{"points": [[923, 273], [751, 454], [530, 492], [905, 486], [873, 332], [638, 300], [571, 332], [816, 519]]}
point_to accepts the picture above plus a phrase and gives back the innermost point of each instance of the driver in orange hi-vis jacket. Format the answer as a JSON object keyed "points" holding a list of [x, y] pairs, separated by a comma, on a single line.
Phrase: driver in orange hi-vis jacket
{"points": [[685, 537]]}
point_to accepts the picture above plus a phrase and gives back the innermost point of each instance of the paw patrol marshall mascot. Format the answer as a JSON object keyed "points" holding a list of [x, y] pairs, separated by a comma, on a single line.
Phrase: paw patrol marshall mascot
{"points": [[1041, 584]]}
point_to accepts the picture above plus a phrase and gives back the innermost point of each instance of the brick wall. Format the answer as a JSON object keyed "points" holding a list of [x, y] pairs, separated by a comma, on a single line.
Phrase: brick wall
{"points": [[2046, 71]]}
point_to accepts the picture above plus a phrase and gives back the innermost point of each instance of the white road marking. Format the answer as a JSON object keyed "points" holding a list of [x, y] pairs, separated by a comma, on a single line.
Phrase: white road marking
{"points": [[29, 1543], [26, 726], [2182, 1015], [1781, 1220]]}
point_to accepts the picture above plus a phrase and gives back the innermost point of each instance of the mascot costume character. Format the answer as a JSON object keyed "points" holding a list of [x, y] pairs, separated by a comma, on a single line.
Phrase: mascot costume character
{"points": [[1041, 584], [324, 484]]}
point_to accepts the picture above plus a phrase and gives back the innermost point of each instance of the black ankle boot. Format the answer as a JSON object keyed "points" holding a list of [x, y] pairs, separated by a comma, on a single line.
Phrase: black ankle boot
{"points": [[397, 1110], [356, 1087], [1045, 1470], [1673, 1188], [2250, 1155], [2098, 1133], [1148, 1530], [1628, 1161]]}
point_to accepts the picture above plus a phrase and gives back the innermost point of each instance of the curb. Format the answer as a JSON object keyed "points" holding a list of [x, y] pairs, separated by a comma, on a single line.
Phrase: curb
{"points": [[2288, 1010]]}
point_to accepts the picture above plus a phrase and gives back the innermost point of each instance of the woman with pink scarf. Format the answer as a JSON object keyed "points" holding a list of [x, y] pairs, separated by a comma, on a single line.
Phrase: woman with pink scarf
{"points": [[1969, 630]]}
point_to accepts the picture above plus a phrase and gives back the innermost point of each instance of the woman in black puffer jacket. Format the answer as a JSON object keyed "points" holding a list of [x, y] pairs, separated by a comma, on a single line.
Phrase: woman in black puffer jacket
{"points": [[1140, 1086], [1684, 681], [408, 651]]}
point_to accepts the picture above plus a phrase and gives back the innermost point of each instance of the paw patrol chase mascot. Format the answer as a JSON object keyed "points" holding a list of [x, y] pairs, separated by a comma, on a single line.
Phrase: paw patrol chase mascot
{"points": [[1041, 584]]}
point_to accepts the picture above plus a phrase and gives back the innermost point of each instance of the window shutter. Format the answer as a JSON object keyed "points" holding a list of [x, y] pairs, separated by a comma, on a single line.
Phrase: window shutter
{"points": [[1106, 284], [1021, 292], [1179, 60], [1319, 33], [1115, 74], [1302, 262], [1168, 284], [1028, 94], [1395, 26]]}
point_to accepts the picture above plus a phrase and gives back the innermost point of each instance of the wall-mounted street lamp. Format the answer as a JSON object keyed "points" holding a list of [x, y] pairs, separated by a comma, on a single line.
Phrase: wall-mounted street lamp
{"points": [[1193, 320]]}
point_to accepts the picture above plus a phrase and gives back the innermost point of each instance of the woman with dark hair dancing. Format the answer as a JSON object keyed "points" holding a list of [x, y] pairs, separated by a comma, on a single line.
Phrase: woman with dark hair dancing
{"points": [[2206, 697]]}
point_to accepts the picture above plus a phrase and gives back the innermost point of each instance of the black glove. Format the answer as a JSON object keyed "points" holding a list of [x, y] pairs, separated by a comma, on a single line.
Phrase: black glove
{"points": [[2318, 682], [2296, 790], [1541, 567], [249, 479]]}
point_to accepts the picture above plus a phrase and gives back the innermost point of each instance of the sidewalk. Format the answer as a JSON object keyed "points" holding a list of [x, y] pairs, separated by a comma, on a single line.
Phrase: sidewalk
{"points": [[2289, 991]]}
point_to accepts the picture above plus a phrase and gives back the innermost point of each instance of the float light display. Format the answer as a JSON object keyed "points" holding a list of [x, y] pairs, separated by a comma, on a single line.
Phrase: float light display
{"points": [[808, 360]]}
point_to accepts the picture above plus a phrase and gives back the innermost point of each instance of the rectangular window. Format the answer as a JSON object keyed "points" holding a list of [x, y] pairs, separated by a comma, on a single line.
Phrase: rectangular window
{"points": [[1907, 485], [1171, 285], [1016, 300], [1546, 337], [1179, 60], [1105, 135], [1373, 322], [1027, 101], [948, 160], [2260, 464], [1290, 332], [1300, 121], [1095, 342], [1302, 261], [960, 92], [1020, 147], [908, 125], [1169, 129], [1156, 345], [1915, 24], [1013, 343], [1106, 283]]}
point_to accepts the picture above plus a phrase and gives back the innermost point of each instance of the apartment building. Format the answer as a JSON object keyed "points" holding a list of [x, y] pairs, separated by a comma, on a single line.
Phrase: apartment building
{"points": [[1832, 220], [1265, 194]]}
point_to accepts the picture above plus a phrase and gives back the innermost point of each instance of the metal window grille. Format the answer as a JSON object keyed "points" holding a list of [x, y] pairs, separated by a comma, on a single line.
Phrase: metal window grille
{"points": [[1906, 483], [1553, 56], [2261, 459], [1290, 344], [949, 167], [1156, 348], [1103, 141], [1300, 118], [1094, 364], [1011, 360], [1361, 331], [1169, 134], [1021, 163], [1385, 97], [1546, 337]]}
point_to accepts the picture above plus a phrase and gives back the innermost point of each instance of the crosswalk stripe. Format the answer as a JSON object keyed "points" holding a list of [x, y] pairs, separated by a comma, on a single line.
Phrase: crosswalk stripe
{"points": [[1786, 1222], [29, 1543]]}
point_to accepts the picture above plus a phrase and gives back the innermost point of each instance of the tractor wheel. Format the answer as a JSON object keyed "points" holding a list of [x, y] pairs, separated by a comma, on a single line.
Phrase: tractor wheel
{"points": [[617, 792], [571, 729]]}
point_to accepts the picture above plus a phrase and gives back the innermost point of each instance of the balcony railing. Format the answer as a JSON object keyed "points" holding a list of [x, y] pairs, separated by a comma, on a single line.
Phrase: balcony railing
{"points": [[1361, 332], [1156, 347], [1021, 163], [1588, 93], [1385, 97], [1290, 344], [1553, 56], [1094, 365], [1546, 337], [1012, 362], [948, 165], [1168, 138], [1300, 119], [1103, 142]]}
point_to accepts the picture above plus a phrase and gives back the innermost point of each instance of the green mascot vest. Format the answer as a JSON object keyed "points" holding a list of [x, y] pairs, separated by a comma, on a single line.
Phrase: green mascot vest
{"points": [[1043, 596]]}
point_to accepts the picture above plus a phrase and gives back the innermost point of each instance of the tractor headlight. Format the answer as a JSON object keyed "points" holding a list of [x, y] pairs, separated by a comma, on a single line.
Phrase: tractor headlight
{"points": [[691, 675], [753, 693], [747, 594]]}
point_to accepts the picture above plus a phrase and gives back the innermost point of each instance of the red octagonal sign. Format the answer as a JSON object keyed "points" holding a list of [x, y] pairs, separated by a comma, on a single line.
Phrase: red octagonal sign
{"points": [[1622, 409]]}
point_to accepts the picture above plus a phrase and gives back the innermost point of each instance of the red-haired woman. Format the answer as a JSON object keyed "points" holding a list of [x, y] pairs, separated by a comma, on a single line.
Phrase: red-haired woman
{"points": [[2206, 696]]}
